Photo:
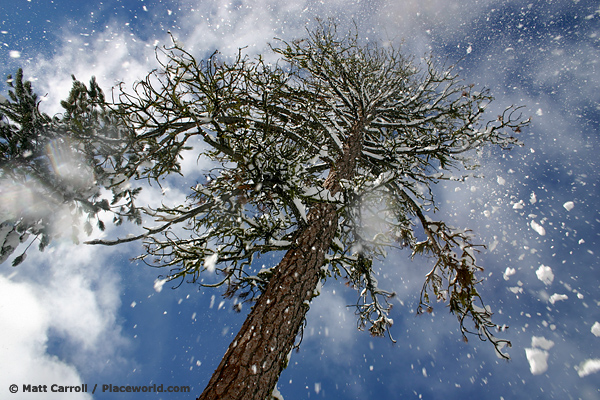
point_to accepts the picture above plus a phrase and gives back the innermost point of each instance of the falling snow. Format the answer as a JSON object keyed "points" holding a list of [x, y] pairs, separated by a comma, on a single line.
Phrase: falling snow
{"points": [[158, 285], [537, 355], [535, 207], [210, 262], [588, 367], [596, 329], [538, 228], [545, 274], [557, 297], [538, 360], [508, 273]]}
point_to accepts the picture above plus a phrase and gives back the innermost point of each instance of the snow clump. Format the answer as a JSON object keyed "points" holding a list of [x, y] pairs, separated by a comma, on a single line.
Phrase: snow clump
{"points": [[588, 367], [538, 228], [596, 329], [545, 274], [210, 262], [537, 355], [557, 297], [158, 285], [508, 273]]}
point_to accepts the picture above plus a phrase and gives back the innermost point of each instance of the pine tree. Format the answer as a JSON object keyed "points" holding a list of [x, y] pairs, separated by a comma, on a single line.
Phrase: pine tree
{"points": [[327, 158], [52, 168], [308, 151]]}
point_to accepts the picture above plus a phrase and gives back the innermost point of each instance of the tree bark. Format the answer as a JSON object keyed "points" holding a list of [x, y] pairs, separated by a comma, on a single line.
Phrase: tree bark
{"points": [[254, 360]]}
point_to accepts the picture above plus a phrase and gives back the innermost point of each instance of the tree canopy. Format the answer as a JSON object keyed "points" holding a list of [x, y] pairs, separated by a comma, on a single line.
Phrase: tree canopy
{"points": [[338, 141]]}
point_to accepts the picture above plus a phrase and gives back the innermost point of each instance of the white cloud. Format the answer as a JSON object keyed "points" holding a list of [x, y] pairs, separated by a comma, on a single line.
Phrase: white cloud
{"points": [[112, 56], [116, 54], [421, 21], [230, 28], [24, 326], [332, 321], [331, 334], [191, 164], [67, 294]]}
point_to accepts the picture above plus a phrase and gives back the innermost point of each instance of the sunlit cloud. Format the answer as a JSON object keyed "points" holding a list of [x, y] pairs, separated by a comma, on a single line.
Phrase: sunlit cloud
{"points": [[68, 292]]}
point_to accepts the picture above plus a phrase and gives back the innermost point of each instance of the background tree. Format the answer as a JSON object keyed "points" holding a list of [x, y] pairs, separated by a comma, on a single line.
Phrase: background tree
{"points": [[327, 158], [52, 169]]}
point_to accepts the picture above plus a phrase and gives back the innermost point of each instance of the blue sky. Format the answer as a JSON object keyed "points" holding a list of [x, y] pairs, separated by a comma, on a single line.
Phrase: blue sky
{"points": [[86, 314]]}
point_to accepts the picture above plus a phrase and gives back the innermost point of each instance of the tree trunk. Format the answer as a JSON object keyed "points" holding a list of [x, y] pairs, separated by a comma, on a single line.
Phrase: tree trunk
{"points": [[254, 360]]}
